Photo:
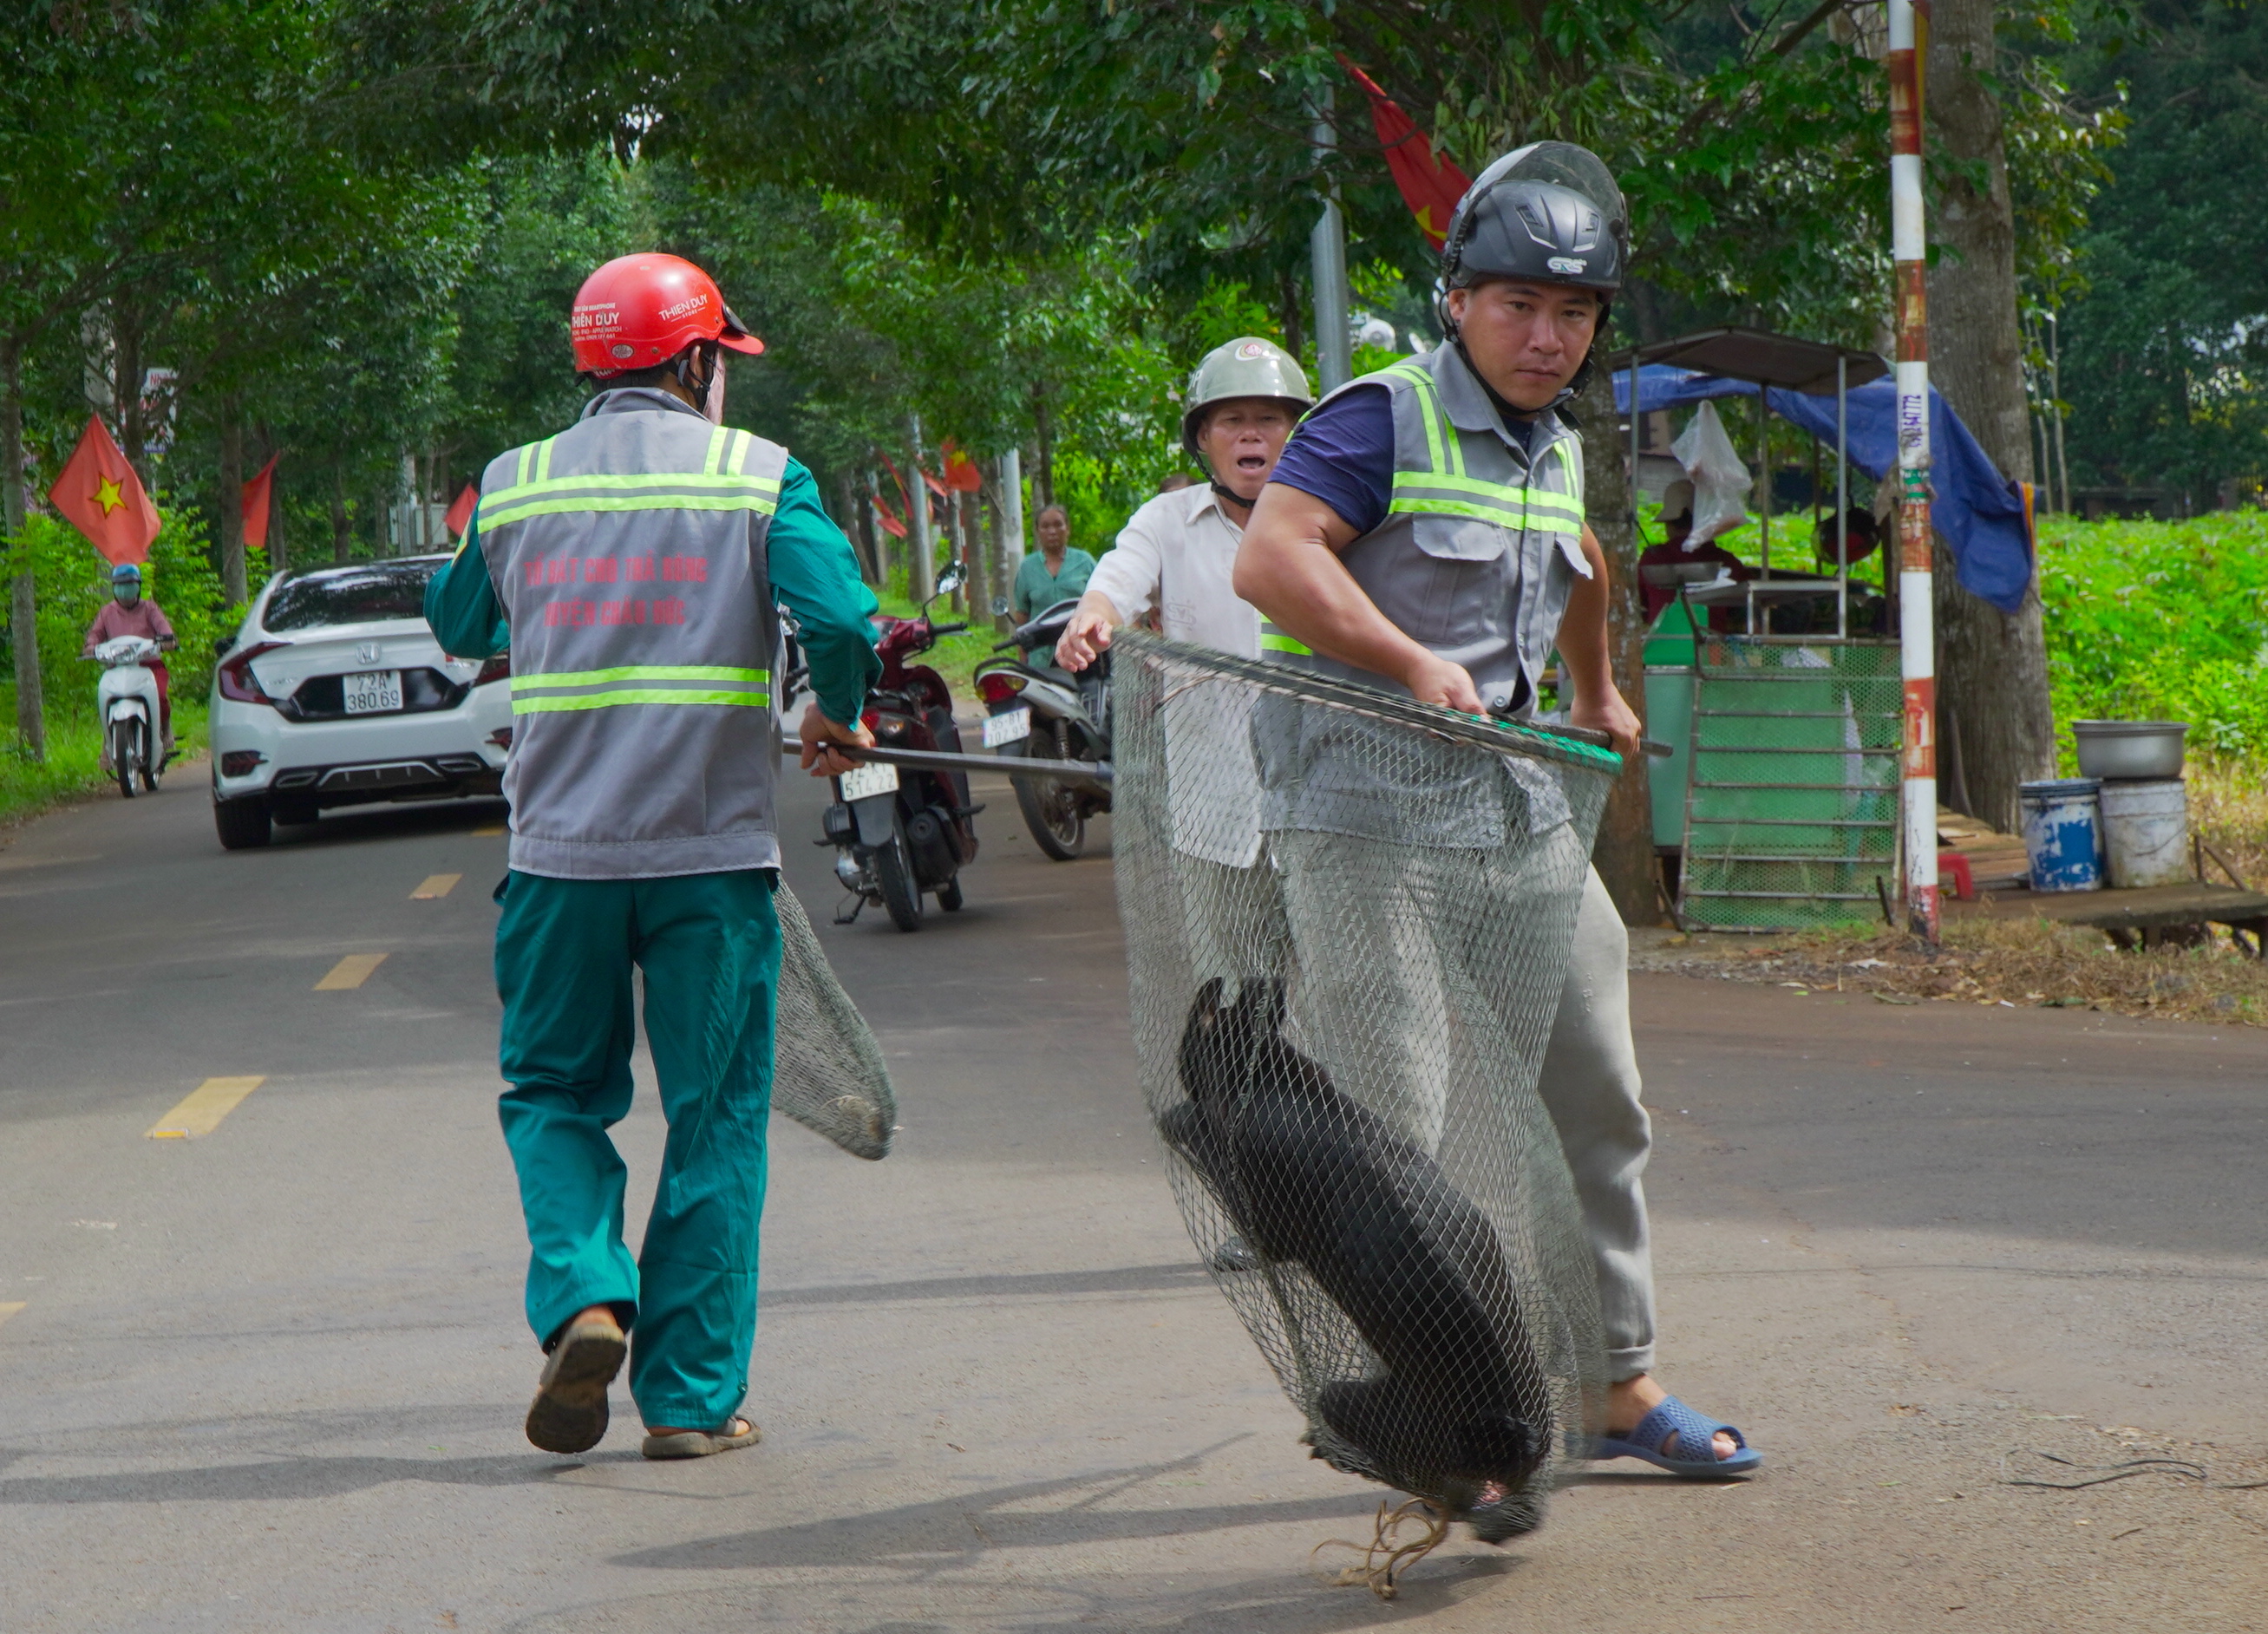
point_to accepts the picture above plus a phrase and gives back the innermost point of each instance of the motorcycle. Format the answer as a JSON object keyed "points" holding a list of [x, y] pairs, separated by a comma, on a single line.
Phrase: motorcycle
{"points": [[899, 831], [125, 700], [1035, 710]]}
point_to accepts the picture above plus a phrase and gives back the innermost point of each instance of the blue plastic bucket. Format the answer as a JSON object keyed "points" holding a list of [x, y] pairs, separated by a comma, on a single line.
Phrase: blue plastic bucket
{"points": [[2063, 832]]}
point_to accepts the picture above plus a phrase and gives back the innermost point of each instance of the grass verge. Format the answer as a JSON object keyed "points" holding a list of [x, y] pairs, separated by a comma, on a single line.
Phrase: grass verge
{"points": [[73, 767]]}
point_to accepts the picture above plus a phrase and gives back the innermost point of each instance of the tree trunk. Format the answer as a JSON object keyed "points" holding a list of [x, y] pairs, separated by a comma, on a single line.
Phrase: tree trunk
{"points": [[231, 504], [339, 533], [279, 555], [1624, 852], [1287, 312], [1991, 667], [1043, 470], [921, 561], [23, 612], [856, 521]]}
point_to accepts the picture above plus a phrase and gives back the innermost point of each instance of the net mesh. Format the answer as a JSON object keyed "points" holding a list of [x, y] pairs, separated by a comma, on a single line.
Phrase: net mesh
{"points": [[827, 1069], [1347, 920]]}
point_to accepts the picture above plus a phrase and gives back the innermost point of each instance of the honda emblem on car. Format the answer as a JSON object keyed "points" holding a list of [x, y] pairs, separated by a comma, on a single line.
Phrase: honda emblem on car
{"points": [[367, 653]]}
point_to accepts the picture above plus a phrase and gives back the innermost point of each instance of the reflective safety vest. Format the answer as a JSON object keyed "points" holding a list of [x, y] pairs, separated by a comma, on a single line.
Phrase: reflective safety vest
{"points": [[1482, 541], [628, 554]]}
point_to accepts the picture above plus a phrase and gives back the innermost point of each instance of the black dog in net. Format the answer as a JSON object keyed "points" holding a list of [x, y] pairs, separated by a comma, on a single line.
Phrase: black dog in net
{"points": [[1348, 919]]}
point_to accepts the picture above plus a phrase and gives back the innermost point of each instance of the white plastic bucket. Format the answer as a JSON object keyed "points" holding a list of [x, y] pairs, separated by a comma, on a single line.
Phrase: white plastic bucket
{"points": [[2146, 832]]}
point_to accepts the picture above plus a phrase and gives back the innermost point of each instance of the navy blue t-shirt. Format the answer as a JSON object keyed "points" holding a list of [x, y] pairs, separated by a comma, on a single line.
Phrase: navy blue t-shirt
{"points": [[1343, 453]]}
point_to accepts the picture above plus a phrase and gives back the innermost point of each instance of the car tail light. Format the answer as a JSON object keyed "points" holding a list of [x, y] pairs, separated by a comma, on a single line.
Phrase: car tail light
{"points": [[235, 677], [237, 763], [998, 686], [497, 668], [501, 737]]}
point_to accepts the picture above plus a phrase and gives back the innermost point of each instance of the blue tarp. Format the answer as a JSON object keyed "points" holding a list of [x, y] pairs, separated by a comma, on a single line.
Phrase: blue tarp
{"points": [[1980, 512]]}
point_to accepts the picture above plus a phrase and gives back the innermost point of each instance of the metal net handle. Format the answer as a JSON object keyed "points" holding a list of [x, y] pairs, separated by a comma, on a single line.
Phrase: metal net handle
{"points": [[1502, 737]]}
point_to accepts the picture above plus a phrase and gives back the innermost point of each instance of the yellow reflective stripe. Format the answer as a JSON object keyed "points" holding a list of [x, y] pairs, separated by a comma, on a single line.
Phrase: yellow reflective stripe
{"points": [[1274, 640], [634, 695], [764, 505], [713, 460], [527, 460], [630, 482], [640, 671], [544, 459], [743, 446]]}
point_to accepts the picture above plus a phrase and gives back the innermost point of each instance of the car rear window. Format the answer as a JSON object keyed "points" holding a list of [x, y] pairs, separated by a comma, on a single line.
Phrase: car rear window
{"points": [[357, 596]]}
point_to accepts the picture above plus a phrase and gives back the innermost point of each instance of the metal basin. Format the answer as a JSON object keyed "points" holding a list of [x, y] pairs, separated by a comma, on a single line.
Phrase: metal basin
{"points": [[2130, 748]]}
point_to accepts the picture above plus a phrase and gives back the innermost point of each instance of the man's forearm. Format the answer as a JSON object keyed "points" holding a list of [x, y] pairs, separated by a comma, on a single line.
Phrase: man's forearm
{"points": [[1288, 567]]}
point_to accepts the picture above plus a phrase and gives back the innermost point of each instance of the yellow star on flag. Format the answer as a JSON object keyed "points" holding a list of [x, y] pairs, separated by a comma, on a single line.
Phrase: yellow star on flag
{"points": [[106, 496]]}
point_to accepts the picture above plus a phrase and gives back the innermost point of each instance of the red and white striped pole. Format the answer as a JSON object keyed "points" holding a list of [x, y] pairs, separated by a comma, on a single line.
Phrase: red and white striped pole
{"points": [[1908, 22]]}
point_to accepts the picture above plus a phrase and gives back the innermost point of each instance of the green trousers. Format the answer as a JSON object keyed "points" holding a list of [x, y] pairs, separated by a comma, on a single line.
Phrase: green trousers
{"points": [[710, 946]]}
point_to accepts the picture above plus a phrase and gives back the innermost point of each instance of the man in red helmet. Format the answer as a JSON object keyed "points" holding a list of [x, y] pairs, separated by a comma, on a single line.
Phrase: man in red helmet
{"points": [[632, 565]]}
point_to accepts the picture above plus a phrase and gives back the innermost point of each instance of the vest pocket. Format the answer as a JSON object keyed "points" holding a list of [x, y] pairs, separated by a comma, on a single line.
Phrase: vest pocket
{"points": [[1469, 585]]}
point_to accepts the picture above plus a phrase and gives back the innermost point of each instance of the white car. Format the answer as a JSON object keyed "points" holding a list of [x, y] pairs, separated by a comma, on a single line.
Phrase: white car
{"points": [[335, 693]]}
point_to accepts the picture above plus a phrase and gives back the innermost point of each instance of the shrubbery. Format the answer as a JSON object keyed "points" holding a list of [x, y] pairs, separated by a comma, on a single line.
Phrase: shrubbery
{"points": [[2162, 621]]}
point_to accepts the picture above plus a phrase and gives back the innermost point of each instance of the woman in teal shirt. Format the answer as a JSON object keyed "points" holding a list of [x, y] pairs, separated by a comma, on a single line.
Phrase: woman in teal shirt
{"points": [[1054, 572]]}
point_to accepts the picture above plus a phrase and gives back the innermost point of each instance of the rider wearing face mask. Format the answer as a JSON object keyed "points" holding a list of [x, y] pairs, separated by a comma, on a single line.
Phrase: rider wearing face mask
{"points": [[1176, 553], [129, 612]]}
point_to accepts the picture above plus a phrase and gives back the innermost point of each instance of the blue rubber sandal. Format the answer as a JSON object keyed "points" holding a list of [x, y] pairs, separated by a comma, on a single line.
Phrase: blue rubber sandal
{"points": [[1691, 1429]]}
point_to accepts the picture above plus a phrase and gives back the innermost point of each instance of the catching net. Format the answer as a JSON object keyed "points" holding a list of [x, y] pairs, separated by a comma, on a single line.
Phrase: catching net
{"points": [[827, 1069], [1348, 919]]}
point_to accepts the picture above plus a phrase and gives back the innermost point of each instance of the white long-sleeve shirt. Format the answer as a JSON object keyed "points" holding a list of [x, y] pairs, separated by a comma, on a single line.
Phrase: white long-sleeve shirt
{"points": [[1177, 554]]}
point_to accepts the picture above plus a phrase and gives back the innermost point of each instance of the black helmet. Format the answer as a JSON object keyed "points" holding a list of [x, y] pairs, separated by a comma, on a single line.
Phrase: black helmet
{"points": [[1549, 211]]}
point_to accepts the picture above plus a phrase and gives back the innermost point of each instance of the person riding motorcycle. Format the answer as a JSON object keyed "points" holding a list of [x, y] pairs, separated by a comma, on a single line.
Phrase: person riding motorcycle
{"points": [[1176, 553], [129, 612]]}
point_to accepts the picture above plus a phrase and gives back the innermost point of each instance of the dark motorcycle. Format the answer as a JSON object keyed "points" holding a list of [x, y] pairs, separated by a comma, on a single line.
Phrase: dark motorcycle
{"points": [[1037, 710], [899, 832]]}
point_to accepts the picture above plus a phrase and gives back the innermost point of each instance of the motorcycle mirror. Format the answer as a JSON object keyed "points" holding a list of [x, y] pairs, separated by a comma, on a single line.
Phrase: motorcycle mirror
{"points": [[949, 581], [999, 606]]}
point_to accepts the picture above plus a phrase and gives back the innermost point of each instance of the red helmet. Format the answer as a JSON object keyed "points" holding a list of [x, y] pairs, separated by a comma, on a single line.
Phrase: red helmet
{"points": [[637, 311]]}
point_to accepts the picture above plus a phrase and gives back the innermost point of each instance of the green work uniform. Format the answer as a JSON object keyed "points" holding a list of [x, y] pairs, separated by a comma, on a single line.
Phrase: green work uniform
{"points": [[1037, 590], [647, 841]]}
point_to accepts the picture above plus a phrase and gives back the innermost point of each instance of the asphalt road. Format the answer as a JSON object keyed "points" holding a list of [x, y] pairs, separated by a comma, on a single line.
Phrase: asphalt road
{"points": [[271, 1377]]}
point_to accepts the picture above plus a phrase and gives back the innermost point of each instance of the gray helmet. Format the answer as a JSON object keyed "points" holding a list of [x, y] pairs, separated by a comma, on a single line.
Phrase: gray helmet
{"points": [[1247, 366]]}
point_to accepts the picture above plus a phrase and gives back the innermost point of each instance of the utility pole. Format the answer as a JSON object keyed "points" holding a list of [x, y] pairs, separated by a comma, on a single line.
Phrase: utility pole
{"points": [[1327, 252], [1918, 656], [921, 570]]}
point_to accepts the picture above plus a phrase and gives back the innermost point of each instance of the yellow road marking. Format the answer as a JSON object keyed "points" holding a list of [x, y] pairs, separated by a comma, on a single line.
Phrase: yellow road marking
{"points": [[9, 1308], [353, 971], [488, 832], [436, 885], [206, 1106]]}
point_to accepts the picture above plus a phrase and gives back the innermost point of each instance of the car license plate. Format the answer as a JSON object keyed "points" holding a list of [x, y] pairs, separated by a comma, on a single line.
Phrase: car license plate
{"points": [[1008, 726], [373, 691], [861, 782]]}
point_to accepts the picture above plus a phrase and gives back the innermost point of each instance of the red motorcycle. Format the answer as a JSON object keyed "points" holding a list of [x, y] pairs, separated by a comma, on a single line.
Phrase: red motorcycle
{"points": [[899, 832]]}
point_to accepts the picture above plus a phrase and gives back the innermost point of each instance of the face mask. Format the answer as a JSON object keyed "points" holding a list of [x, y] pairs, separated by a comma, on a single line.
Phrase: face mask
{"points": [[128, 595]]}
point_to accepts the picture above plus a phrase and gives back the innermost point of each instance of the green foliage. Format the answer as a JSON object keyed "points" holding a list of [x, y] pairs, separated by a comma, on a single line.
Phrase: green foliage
{"points": [[2158, 621]]}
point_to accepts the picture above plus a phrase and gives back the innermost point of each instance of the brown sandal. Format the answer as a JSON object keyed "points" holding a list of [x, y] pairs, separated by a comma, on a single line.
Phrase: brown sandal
{"points": [[570, 1411], [702, 1443]]}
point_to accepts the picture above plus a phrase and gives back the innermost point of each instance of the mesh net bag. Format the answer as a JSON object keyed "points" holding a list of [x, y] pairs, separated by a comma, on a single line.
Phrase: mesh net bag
{"points": [[1348, 918], [827, 1069]]}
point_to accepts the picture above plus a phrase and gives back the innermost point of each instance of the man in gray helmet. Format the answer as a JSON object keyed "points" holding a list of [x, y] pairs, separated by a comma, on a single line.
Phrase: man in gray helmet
{"points": [[1175, 552], [1424, 532]]}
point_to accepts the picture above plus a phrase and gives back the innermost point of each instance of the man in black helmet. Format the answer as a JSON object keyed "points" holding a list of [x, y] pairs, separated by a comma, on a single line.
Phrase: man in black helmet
{"points": [[1424, 532]]}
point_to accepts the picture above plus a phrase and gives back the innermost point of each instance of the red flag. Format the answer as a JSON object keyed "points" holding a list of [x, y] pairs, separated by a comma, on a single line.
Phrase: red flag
{"points": [[904, 499], [99, 494], [460, 514], [891, 526], [1430, 184], [960, 473], [257, 493], [935, 487]]}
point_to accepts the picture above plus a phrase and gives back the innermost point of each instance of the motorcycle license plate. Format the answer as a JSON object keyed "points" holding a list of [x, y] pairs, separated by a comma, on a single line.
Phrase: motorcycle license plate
{"points": [[1008, 726], [861, 782], [373, 691]]}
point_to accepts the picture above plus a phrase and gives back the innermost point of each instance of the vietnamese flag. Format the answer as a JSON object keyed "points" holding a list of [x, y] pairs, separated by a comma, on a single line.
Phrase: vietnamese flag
{"points": [[891, 526], [960, 473], [461, 514], [257, 493], [1430, 184], [98, 494]]}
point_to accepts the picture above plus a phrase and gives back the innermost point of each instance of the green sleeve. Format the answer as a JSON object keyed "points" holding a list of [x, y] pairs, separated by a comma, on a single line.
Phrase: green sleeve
{"points": [[815, 576], [461, 605]]}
